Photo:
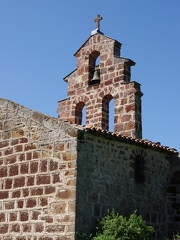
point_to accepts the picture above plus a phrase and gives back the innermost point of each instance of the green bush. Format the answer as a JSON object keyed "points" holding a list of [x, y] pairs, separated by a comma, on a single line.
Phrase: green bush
{"points": [[117, 227]]}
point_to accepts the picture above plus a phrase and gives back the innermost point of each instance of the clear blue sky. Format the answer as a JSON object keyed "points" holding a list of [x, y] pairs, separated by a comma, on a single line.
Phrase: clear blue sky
{"points": [[39, 37]]}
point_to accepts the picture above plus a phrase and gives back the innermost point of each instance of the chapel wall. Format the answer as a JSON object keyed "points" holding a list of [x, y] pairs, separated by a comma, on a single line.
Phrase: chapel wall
{"points": [[106, 180]]}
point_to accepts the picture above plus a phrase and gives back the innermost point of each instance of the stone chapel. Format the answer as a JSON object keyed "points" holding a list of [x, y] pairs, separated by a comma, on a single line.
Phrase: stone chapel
{"points": [[58, 177]]}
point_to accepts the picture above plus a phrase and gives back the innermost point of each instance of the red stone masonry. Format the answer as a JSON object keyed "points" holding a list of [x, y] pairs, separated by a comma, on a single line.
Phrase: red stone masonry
{"points": [[37, 175], [115, 73]]}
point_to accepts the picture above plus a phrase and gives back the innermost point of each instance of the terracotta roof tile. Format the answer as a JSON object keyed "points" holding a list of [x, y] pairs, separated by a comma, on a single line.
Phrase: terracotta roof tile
{"points": [[141, 142]]}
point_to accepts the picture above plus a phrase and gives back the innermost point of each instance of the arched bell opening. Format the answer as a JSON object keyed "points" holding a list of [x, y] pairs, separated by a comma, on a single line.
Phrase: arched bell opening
{"points": [[105, 112], [80, 113], [111, 115], [83, 122], [94, 69]]}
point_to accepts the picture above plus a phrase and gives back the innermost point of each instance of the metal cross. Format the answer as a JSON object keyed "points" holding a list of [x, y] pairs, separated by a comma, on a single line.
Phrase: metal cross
{"points": [[97, 20]]}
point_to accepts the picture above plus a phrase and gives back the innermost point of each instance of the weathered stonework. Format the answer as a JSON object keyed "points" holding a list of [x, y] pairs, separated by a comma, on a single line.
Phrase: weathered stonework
{"points": [[106, 180], [56, 178], [37, 175], [115, 73]]}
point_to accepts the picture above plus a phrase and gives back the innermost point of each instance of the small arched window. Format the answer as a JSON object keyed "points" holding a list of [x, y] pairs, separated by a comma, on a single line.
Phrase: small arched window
{"points": [[79, 113], [83, 122], [139, 169], [111, 115], [105, 111]]}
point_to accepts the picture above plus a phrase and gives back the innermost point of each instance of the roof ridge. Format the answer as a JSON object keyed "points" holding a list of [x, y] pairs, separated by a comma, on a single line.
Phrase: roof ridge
{"points": [[142, 142]]}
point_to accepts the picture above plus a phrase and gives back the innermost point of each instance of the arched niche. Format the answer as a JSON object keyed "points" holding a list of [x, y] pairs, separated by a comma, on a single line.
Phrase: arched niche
{"points": [[79, 113]]}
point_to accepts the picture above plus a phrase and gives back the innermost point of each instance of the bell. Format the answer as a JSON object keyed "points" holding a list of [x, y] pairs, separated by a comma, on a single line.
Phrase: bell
{"points": [[96, 77]]}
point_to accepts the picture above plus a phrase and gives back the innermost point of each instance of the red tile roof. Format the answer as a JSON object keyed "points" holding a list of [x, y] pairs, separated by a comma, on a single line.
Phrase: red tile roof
{"points": [[140, 142]]}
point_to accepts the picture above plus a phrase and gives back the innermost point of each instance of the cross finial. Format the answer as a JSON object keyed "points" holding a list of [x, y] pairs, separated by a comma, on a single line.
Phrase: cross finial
{"points": [[97, 20]]}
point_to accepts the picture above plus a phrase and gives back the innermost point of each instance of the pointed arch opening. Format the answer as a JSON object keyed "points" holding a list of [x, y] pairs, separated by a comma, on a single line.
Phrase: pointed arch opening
{"points": [[80, 111], [94, 70], [106, 106]]}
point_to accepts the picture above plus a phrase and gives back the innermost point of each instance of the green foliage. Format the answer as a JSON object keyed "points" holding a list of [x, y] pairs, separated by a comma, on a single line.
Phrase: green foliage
{"points": [[117, 227]]}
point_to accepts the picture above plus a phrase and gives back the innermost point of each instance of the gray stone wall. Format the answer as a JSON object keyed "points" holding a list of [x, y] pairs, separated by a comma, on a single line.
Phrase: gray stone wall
{"points": [[105, 180]]}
